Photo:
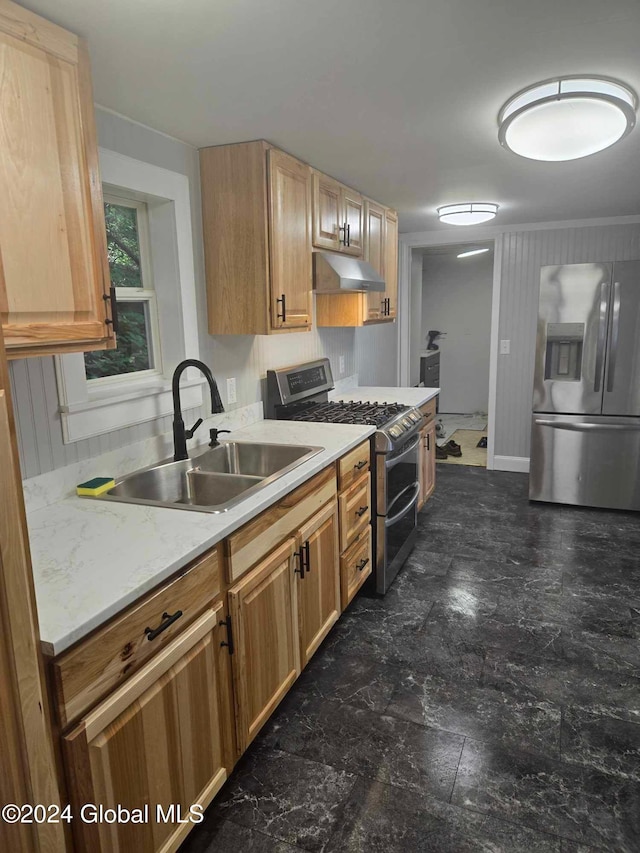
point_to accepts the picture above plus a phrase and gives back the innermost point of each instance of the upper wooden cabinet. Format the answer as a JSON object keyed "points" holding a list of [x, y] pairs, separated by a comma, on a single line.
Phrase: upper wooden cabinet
{"points": [[256, 209], [338, 216], [380, 242], [374, 253], [391, 263], [53, 257]]}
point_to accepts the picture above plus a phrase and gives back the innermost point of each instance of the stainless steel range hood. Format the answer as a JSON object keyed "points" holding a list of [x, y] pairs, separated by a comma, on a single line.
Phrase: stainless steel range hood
{"points": [[333, 273]]}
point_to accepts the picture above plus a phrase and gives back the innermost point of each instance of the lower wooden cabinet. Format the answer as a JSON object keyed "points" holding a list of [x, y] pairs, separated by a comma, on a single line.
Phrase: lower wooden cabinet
{"points": [[266, 660], [427, 463], [355, 566], [158, 741], [169, 735], [355, 510], [318, 580]]}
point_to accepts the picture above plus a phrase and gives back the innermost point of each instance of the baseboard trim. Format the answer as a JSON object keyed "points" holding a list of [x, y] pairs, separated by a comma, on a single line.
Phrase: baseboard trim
{"points": [[511, 463]]}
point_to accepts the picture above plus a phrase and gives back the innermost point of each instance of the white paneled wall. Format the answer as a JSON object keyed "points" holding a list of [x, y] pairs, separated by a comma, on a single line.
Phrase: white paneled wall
{"points": [[370, 352], [523, 253]]}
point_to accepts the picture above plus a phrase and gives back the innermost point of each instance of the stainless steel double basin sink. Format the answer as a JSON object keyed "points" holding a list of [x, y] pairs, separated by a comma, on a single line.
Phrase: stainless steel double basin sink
{"points": [[214, 481]]}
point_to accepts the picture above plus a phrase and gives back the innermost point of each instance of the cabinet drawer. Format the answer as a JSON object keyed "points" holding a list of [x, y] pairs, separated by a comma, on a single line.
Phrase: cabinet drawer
{"points": [[352, 466], [87, 673], [354, 507], [253, 542], [429, 409], [355, 567]]}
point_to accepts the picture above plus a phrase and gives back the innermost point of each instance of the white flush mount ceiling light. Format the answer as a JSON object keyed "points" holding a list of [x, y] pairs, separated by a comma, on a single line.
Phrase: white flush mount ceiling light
{"points": [[567, 118], [470, 252], [470, 213]]}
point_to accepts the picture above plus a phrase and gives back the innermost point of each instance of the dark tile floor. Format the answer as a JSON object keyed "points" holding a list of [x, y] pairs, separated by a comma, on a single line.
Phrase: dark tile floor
{"points": [[490, 702]]}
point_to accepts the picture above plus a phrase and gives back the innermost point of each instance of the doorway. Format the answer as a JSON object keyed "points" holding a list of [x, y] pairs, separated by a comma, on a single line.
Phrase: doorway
{"points": [[450, 345]]}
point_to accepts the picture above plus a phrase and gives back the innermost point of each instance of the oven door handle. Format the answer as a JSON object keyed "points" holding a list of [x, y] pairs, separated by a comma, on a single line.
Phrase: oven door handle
{"points": [[415, 487], [391, 463]]}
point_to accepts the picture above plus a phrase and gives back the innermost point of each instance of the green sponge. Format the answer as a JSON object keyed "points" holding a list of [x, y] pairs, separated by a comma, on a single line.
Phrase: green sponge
{"points": [[96, 486]]}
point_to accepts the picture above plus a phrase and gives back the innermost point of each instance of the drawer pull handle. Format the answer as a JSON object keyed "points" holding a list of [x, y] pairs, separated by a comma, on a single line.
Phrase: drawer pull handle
{"points": [[360, 512], [362, 564], [360, 464], [152, 633]]}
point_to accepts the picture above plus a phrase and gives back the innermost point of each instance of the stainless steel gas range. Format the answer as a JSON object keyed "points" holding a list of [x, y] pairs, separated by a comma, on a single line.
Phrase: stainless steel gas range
{"points": [[300, 393]]}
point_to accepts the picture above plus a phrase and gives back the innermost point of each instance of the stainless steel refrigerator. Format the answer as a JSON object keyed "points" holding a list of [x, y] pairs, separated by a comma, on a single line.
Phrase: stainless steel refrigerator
{"points": [[585, 432]]}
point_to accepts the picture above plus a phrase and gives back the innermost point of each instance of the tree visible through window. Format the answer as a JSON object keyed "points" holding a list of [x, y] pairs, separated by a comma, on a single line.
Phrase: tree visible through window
{"points": [[137, 340]]}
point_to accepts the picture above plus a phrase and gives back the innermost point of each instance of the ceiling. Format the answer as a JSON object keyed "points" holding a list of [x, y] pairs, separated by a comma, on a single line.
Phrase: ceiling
{"points": [[398, 99]]}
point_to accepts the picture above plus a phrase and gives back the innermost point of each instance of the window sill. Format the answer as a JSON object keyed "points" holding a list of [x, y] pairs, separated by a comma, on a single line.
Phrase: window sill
{"points": [[116, 408]]}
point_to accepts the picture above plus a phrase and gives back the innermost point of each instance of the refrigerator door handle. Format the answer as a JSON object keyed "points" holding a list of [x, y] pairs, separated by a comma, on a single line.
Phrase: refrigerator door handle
{"points": [[602, 333], [615, 329], [576, 427]]}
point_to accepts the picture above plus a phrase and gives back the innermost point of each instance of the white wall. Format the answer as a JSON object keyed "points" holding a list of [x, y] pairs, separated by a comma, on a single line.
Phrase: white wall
{"points": [[415, 310], [372, 352], [456, 299]]}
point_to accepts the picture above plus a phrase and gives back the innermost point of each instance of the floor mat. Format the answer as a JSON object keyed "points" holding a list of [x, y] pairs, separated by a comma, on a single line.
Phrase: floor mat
{"points": [[452, 422], [471, 454]]}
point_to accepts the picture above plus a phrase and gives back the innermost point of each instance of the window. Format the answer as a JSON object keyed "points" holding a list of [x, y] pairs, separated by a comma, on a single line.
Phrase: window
{"points": [[138, 351], [148, 212]]}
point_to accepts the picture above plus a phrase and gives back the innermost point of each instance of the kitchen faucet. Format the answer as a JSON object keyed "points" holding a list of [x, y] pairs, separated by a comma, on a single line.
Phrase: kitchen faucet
{"points": [[180, 434]]}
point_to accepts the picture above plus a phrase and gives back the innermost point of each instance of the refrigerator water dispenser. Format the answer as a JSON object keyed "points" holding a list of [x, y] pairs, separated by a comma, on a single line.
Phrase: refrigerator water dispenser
{"points": [[563, 360]]}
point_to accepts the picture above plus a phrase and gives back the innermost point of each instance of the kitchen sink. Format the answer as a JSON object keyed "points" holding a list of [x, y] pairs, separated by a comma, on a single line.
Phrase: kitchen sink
{"points": [[215, 481], [251, 460]]}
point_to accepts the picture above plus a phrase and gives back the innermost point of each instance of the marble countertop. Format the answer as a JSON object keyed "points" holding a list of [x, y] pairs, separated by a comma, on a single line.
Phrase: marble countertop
{"points": [[92, 558], [371, 394]]}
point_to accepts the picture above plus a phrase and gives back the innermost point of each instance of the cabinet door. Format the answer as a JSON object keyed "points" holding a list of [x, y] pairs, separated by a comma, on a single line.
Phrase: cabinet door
{"points": [[327, 213], [355, 566], [428, 481], [266, 659], [290, 241], [354, 507], [353, 216], [157, 741], [319, 585], [422, 467], [374, 250], [391, 262], [53, 258]]}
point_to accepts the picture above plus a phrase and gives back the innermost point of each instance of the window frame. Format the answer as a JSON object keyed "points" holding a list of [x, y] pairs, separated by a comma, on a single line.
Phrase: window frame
{"points": [[88, 409], [147, 293]]}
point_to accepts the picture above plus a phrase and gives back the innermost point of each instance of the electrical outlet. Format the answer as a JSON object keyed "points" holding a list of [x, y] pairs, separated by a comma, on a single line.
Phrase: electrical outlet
{"points": [[341, 364], [505, 347], [231, 391]]}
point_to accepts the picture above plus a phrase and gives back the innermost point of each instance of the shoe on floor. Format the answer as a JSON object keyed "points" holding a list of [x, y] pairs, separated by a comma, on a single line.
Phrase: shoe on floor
{"points": [[482, 442], [452, 448], [441, 452]]}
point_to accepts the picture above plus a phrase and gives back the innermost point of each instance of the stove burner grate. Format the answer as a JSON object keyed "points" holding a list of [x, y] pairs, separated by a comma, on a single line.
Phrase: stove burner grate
{"points": [[376, 414]]}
